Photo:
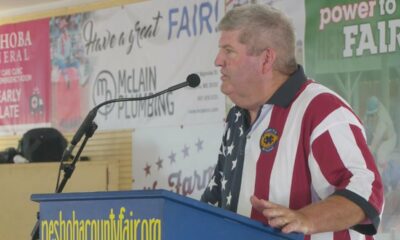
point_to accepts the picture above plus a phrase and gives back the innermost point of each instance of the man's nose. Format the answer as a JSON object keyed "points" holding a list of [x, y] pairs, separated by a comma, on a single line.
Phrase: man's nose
{"points": [[219, 60]]}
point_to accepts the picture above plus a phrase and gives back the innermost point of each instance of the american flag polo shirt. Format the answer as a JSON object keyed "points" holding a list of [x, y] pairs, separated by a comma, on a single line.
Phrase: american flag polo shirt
{"points": [[305, 145]]}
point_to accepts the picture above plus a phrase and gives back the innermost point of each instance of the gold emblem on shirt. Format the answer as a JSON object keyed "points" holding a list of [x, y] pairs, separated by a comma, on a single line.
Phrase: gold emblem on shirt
{"points": [[268, 140]]}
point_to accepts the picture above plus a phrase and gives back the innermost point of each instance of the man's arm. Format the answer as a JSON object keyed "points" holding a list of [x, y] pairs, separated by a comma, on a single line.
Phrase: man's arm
{"points": [[335, 213]]}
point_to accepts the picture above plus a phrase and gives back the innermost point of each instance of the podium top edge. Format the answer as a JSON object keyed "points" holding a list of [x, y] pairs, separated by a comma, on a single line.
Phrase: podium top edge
{"points": [[163, 194], [103, 195]]}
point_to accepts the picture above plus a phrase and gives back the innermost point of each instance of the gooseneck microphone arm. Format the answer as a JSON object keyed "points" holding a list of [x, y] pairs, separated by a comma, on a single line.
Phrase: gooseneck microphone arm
{"points": [[193, 80]]}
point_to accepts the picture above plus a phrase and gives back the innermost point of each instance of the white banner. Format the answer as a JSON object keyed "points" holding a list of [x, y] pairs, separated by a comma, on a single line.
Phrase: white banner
{"points": [[140, 49]]}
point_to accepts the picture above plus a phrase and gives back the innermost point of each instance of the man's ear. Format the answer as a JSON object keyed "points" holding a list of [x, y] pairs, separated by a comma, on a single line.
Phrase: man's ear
{"points": [[268, 57]]}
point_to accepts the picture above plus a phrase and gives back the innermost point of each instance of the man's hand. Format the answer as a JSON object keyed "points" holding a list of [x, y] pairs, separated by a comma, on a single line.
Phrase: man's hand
{"points": [[282, 217], [332, 214]]}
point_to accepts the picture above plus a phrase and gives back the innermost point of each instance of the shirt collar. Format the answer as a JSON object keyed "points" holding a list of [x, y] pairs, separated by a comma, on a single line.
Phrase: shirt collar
{"points": [[287, 92]]}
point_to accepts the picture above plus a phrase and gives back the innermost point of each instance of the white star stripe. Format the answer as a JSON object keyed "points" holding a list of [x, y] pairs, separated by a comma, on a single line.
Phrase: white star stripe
{"points": [[230, 149], [212, 184], [223, 183], [234, 164], [241, 131], [228, 199], [238, 114]]}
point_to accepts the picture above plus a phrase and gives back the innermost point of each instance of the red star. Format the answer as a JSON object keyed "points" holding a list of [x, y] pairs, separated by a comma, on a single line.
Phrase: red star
{"points": [[159, 163], [147, 169]]}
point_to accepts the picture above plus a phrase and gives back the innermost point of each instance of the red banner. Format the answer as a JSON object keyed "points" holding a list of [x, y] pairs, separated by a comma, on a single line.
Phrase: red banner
{"points": [[24, 73]]}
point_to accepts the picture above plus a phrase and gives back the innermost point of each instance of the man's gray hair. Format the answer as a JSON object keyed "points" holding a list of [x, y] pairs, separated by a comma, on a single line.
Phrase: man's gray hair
{"points": [[264, 27]]}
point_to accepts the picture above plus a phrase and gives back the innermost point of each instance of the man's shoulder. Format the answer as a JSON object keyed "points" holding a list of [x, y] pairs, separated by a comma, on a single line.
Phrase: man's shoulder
{"points": [[321, 93]]}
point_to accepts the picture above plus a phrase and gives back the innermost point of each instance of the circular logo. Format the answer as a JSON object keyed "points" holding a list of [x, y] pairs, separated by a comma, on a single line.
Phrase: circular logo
{"points": [[36, 103], [104, 89], [268, 140]]}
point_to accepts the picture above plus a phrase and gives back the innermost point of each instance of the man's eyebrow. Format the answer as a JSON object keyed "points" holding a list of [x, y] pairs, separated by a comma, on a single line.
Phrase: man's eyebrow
{"points": [[225, 46]]}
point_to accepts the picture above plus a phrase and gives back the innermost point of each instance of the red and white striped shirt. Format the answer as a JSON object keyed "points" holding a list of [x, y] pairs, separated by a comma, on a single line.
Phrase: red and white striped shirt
{"points": [[305, 145]]}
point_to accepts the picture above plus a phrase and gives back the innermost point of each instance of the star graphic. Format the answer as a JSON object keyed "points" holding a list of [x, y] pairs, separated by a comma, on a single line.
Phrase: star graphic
{"points": [[172, 157], [234, 164], [230, 149], [185, 151], [212, 184], [147, 169], [228, 199], [238, 114], [159, 163], [223, 183], [241, 131], [199, 145]]}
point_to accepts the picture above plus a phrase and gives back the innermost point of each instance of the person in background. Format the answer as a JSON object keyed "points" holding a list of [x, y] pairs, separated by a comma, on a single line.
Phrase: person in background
{"points": [[381, 134], [294, 154]]}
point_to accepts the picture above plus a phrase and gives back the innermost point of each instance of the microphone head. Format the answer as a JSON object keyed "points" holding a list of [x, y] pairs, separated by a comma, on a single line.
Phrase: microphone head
{"points": [[193, 80]]}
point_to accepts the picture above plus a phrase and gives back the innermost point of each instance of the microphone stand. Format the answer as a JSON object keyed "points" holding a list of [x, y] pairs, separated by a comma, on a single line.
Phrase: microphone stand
{"points": [[88, 127], [68, 170]]}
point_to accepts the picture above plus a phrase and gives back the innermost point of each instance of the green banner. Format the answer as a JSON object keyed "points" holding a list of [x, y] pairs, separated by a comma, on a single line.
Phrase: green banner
{"points": [[353, 45]]}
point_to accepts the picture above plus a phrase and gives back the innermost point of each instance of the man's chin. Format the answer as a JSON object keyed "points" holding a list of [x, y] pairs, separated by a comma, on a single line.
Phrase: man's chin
{"points": [[225, 90]]}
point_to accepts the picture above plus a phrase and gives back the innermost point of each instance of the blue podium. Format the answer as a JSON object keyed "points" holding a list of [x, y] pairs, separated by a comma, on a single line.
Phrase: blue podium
{"points": [[143, 215]]}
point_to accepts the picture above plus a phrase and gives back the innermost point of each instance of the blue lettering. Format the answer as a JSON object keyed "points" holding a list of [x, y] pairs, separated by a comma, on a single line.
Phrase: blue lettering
{"points": [[205, 14], [171, 23], [192, 20], [184, 22]]}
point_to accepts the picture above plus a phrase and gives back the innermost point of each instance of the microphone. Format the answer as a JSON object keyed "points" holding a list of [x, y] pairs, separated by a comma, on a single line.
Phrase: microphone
{"points": [[192, 80]]}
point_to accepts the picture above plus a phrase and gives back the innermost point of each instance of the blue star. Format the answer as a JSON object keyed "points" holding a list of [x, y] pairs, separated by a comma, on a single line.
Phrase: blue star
{"points": [[172, 157], [199, 145], [159, 163], [185, 151]]}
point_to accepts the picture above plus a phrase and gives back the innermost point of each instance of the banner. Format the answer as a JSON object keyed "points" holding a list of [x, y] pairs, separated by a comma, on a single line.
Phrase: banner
{"points": [[24, 74], [121, 52], [354, 48]]}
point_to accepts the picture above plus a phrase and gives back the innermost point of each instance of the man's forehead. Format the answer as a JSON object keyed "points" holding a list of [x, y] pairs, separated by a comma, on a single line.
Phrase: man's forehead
{"points": [[229, 37]]}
